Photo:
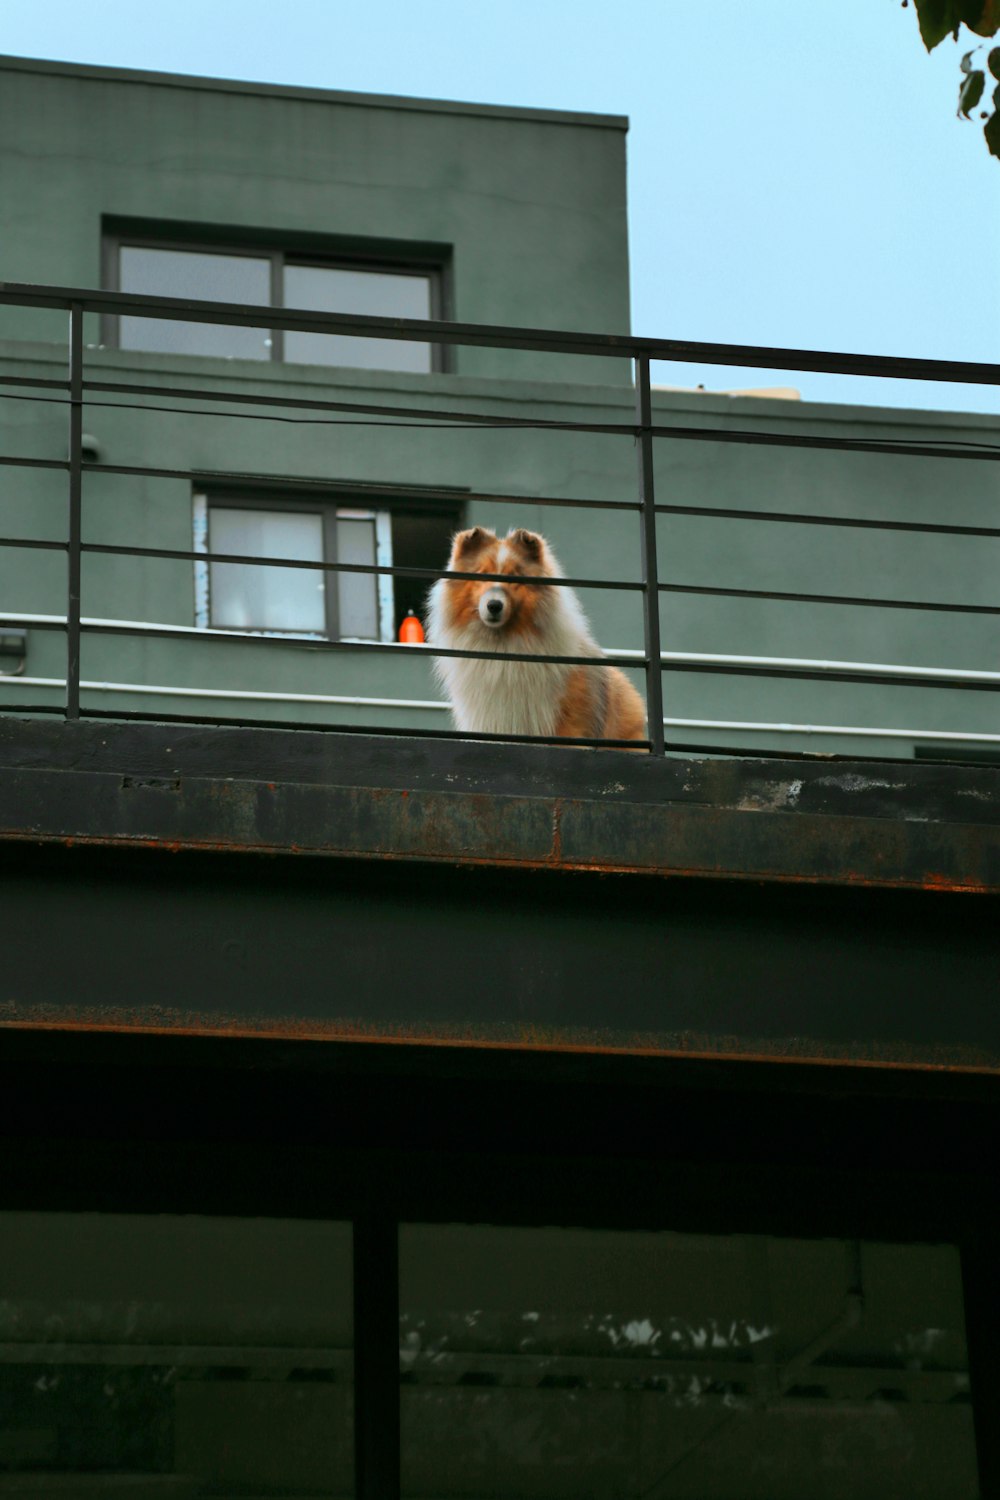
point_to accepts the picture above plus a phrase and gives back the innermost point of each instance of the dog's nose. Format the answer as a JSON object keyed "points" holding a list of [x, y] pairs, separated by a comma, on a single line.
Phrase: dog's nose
{"points": [[494, 607]]}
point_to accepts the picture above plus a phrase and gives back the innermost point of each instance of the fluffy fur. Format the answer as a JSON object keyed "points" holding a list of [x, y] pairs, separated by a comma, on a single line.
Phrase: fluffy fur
{"points": [[515, 697]]}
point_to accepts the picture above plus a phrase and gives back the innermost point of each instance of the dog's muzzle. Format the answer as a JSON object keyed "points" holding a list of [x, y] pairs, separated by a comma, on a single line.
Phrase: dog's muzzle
{"points": [[494, 607]]}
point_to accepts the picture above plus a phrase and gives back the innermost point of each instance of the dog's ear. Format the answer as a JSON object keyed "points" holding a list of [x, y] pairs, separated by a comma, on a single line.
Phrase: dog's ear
{"points": [[467, 543], [529, 543]]}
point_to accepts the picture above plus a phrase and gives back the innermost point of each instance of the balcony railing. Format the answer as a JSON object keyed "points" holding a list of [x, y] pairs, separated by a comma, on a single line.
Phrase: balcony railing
{"points": [[80, 390]]}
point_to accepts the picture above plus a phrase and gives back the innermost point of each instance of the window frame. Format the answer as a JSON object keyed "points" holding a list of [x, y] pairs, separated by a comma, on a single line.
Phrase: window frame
{"points": [[395, 258], [357, 501], [330, 508]]}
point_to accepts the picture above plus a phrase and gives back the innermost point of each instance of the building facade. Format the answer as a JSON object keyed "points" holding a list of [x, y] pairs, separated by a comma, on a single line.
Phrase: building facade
{"points": [[385, 1115], [296, 198]]}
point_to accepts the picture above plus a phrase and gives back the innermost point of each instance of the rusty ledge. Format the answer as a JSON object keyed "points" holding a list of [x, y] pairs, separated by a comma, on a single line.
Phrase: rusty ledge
{"points": [[927, 826]]}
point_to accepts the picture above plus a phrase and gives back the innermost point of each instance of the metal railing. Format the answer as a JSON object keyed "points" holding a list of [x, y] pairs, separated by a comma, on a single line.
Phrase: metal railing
{"points": [[78, 390]]}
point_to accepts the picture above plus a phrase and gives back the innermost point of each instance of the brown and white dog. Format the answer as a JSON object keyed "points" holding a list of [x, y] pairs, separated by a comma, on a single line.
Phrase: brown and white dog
{"points": [[518, 697]]}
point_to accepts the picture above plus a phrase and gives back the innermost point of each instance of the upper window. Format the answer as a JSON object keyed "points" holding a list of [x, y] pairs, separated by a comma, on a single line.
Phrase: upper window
{"points": [[376, 285]]}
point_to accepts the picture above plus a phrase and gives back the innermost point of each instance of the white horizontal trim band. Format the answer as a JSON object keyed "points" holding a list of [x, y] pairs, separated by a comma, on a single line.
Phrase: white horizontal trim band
{"points": [[243, 694], [668, 658], [743, 725], [846, 730]]}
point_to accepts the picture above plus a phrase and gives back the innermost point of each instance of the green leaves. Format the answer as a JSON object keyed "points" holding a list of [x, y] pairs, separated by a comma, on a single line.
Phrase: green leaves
{"points": [[940, 18], [971, 90], [989, 19], [991, 130]]}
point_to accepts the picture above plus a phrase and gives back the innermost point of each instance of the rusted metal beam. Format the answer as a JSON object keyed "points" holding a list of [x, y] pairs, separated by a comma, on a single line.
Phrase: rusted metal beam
{"points": [[891, 824], [472, 896]]}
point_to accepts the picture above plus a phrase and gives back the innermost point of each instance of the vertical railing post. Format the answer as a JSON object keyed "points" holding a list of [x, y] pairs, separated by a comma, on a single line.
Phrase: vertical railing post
{"points": [[650, 575], [75, 509]]}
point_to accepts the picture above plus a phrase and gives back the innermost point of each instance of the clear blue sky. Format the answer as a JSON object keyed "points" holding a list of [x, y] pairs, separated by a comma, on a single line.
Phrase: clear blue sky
{"points": [[797, 175]]}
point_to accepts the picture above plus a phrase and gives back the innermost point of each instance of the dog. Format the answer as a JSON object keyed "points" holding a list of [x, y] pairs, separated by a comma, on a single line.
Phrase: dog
{"points": [[517, 697]]}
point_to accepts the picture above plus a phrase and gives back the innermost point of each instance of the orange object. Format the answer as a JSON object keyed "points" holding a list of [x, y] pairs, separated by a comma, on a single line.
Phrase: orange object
{"points": [[411, 631]]}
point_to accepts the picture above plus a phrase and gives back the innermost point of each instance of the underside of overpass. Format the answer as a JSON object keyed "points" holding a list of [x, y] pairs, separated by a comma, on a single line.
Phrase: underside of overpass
{"points": [[740, 1008]]}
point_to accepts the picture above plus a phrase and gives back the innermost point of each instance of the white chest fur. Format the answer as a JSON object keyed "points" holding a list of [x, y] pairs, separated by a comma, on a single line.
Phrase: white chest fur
{"points": [[504, 697], [500, 696]]}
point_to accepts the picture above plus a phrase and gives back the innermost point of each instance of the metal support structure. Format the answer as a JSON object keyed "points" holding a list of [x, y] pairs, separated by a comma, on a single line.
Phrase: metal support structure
{"points": [[75, 508], [376, 1355], [650, 577], [979, 1286]]}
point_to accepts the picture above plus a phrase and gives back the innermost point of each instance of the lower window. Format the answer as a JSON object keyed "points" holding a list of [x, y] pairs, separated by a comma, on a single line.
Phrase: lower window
{"points": [[570, 1363], [181, 1356], [272, 599]]}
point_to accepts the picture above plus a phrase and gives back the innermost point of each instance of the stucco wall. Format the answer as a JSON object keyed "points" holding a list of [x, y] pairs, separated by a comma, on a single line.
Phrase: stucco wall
{"points": [[532, 204]]}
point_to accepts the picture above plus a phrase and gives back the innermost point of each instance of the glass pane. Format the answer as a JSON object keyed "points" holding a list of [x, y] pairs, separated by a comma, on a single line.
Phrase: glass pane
{"points": [[245, 596], [571, 1363], [357, 599], [175, 1356], [195, 273], [372, 293]]}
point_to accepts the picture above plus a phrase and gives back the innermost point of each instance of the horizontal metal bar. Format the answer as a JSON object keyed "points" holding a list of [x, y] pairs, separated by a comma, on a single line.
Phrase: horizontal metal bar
{"points": [[405, 732], [251, 695], [822, 667], [42, 383], [333, 488], [34, 543], [843, 731], [422, 494], [706, 512], [806, 518], [601, 345], [59, 709], [16, 462], [943, 448], [716, 591], [817, 669], [403, 417], [415, 704], [314, 726], [180, 554], [321, 643], [733, 667], [411, 414], [248, 695], [100, 626], [676, 661]]}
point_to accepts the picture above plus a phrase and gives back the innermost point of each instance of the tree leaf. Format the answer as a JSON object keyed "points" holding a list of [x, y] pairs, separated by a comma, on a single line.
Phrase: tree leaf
{"points": [[937, 19], [982, 16], [993, 62], [971, 92], [991, 130]]}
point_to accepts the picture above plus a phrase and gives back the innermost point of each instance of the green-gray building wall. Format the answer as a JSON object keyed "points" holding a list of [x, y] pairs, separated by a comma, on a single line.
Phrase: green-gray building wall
{"points": [[534, 207], [532, 203]]}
